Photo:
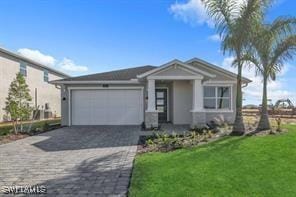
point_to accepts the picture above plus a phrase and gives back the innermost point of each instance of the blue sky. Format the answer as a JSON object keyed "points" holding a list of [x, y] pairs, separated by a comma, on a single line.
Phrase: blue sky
{"points": [[81, 37]]}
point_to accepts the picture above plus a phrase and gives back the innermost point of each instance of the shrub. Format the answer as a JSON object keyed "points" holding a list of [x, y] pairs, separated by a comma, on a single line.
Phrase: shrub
{"points": [[165, 142], [45, 126], [278, 124]]}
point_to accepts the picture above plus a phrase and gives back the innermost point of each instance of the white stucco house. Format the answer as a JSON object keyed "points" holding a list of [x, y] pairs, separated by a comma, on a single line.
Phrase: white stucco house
{"points": [[44, 94], [192, 92]]}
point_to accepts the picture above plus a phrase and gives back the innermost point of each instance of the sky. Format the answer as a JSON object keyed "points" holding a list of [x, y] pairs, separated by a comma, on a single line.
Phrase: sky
{"points": [[81, 37]]}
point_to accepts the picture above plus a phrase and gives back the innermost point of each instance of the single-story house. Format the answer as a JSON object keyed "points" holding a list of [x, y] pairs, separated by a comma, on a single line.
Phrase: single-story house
{"points": [[192, 92]]}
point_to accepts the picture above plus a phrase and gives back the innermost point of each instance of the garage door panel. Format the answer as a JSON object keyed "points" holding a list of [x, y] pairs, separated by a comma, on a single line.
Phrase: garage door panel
{"points": [[107, 107]]}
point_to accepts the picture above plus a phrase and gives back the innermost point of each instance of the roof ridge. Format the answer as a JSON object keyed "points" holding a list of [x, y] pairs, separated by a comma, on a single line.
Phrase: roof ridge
{"points": [[111, 71], [121, 74]]}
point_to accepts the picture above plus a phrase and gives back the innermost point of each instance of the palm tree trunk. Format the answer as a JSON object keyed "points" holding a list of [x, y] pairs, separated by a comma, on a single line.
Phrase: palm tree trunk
{"points": [[238, 127], [264, 121]]}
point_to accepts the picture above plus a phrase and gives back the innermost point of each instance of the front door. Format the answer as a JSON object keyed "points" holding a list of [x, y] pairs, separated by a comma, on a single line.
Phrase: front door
{"points": [[161, 104]]}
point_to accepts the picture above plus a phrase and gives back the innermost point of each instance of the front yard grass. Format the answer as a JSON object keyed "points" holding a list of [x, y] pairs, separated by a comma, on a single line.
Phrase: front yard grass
{"points": [[232, 166]]}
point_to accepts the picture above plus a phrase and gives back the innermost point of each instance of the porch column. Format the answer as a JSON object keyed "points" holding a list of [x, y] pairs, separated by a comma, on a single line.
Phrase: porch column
{"points": [[151, 115], [197, 104], [151, 95], [198, 113]]}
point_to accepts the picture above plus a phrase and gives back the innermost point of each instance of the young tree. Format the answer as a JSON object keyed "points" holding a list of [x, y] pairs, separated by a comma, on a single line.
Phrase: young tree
{"points": [[236, 23], [271, 46], [17, 104]]}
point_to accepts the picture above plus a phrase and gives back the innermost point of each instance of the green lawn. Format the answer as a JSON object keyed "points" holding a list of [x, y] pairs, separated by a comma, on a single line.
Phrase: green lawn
{"points": [[233, 166], [6, 129]]}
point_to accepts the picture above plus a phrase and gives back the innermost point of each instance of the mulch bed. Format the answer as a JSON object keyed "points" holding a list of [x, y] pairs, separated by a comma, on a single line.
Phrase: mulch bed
{"points": [[12, 137], [143, 148]]}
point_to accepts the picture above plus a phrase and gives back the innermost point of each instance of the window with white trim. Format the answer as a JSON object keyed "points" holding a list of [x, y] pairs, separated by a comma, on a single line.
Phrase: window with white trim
{"points": [[23, 69], [217, 97]]}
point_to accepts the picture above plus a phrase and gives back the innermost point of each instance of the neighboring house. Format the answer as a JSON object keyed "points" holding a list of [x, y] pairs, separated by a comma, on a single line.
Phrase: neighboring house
{"points": [[44, 94], [192, 92]]}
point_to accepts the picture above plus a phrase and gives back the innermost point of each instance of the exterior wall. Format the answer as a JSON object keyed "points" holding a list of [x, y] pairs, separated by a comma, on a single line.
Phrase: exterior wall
{"points": [[182, 102], [171, 102], [223, 115], [180, 96], [46, 93]]}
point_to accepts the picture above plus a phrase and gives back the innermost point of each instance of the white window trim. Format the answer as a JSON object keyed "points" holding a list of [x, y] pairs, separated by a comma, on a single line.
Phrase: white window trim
{"points": [[216, 98]]}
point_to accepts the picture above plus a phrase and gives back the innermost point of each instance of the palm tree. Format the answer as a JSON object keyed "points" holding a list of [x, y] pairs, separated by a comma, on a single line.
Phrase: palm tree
{"points": [[236, 23], [271, 46]]}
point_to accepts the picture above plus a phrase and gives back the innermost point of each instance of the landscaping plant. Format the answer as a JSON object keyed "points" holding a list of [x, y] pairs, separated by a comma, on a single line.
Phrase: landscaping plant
{"points": [[17, 104], [165, 142], [271, 45], [235, 23]]}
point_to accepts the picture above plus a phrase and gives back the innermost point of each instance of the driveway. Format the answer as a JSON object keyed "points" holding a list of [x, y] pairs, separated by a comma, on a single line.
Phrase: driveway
{"points": [[73, 160]]}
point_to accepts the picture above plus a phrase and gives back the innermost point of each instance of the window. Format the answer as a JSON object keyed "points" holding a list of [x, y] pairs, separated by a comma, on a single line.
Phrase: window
{"points": [[46, 106], [23, 69], [210, 97], [45, 76], [217, 97]]}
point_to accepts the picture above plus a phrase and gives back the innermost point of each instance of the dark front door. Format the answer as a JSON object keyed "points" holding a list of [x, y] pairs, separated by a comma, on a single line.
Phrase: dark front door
{"points": [[161, 104]]}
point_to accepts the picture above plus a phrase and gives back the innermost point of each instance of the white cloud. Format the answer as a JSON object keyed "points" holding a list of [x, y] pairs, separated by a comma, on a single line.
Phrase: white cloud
{"points": [[253, 92], [194, 12], [66, 64], [215, 38], [37, 56], [69, 65]]}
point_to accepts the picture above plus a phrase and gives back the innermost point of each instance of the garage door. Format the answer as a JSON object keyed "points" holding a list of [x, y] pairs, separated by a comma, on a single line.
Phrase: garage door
{"points": [[107, 107]]}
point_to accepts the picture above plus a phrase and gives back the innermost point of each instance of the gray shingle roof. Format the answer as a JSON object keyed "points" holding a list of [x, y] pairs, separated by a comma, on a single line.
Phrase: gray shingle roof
{"points": [[123, 74]]}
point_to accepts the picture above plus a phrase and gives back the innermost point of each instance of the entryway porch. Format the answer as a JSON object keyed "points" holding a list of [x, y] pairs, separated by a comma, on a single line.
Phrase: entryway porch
{"points": [[179, 102]]}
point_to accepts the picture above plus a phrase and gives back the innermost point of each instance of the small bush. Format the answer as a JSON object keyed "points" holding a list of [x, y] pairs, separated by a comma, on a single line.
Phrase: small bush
{"points": [[45, 126], [5, 130], [165, 142], [278, 124]]}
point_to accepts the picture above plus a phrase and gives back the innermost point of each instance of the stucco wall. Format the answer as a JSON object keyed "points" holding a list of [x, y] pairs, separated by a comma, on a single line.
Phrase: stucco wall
{"points": [[226, 116], [46, 93], [182, 103]]}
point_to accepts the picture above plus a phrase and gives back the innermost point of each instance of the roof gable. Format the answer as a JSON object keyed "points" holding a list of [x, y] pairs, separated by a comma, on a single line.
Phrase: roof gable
{"points": [[176, 63], [175, 70], [220, 72]]}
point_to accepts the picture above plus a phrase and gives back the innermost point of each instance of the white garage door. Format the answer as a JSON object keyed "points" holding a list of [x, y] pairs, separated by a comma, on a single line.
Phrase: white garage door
{"points": [[107, 107]]}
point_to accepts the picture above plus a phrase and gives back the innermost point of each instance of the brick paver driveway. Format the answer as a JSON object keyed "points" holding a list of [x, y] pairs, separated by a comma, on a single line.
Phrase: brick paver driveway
{"points": [[74, 160]]}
